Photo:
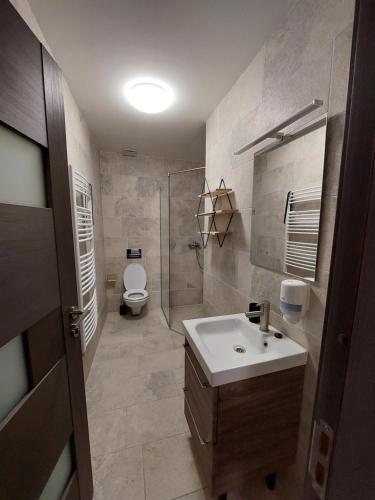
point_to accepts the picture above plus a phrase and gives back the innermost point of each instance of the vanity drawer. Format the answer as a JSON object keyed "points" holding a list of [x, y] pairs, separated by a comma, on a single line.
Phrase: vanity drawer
{"points": [[201, 398], [203, 452]]}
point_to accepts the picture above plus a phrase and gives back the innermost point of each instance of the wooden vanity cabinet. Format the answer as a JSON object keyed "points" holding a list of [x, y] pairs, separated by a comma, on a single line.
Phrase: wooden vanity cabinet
{"points": [[242, 429]]}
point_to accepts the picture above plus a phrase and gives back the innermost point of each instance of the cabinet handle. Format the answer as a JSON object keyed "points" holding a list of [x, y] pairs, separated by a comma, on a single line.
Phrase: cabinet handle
{"points": [[203, 385], [202, 441]]}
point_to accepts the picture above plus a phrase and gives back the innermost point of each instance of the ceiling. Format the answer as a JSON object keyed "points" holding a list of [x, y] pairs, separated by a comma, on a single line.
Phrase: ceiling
{"points": [[199, 47]]}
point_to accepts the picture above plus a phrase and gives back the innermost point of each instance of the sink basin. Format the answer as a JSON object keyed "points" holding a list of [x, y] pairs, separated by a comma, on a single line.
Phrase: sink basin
{"points": [[230, 348]]}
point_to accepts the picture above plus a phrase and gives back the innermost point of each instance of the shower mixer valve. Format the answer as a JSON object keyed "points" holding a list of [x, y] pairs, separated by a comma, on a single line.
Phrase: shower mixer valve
{"points": [[194, 245]]}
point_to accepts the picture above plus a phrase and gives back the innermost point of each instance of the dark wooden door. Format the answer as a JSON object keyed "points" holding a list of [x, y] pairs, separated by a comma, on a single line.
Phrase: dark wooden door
{"points": [[345, 402], [43, 422]]}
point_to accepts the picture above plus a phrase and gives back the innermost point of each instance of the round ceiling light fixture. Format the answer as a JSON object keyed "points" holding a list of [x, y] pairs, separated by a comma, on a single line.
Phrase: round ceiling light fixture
{"points": [[149, 95]]}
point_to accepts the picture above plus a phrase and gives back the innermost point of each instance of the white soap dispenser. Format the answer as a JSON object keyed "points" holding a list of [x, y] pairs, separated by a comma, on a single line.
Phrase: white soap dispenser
{"points": [[294, 299]]}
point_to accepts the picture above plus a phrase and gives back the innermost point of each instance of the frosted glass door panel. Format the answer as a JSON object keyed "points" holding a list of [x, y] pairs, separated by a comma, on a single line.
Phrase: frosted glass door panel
{"points": [[22, 179], [60, 476], [13, 375]]}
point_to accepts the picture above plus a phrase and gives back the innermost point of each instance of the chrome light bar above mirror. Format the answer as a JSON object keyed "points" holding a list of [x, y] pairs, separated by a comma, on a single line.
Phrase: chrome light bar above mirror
{"points": [[275, 132]]}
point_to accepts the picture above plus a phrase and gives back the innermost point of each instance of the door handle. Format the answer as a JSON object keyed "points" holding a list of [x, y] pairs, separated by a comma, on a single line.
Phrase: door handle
{"points": [[77, 315]]}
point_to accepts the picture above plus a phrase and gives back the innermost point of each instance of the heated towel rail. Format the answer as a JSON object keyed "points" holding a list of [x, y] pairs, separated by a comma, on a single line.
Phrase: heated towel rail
{"points": [[82, 209], [302, 220]]}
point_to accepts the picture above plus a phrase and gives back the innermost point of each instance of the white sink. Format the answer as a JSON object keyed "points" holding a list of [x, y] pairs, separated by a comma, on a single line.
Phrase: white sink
{"points": [[230, 348]]}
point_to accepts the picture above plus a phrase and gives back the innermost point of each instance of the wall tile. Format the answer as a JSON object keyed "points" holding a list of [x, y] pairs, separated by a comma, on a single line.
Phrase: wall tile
{"points": [[188, 296], [112, 227], [113, 247], [131, 208]]}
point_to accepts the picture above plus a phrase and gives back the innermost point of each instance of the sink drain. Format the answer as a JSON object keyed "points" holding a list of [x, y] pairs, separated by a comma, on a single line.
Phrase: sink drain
{"points": [[239, 349]]}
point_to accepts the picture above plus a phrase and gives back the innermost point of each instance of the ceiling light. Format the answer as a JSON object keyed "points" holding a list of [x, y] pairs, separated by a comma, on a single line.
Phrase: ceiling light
{"points": [[149, 95]]}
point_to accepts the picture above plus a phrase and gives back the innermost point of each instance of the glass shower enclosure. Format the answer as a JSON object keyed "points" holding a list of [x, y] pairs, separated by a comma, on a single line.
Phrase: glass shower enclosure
{"points": [[181, 252]]}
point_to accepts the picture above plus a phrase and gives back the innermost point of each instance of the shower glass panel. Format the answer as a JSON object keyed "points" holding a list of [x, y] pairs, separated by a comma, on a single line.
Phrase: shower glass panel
{"points": [[164, 248], [21, 170], [181, 247]]}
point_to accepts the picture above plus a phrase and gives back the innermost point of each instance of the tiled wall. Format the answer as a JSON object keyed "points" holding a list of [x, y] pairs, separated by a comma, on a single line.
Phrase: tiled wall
{"points": [[308, 57], [83, 155], [186, 279], [131, 216]]}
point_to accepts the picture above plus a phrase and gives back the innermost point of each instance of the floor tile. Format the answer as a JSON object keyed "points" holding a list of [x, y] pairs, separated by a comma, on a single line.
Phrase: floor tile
{"points": [[152, 345], [169, 469], [116, 369], [113, 384], [156, 331], [134, 398], [169, 360], [159, 385], [119, 476], [118, 351], [131, 391], [144, 343], [130, 336], [155, 420], [107, 432]]}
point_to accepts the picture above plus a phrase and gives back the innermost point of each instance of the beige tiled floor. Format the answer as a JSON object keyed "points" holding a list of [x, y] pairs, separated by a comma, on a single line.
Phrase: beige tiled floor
{"points": [[140, 442]]}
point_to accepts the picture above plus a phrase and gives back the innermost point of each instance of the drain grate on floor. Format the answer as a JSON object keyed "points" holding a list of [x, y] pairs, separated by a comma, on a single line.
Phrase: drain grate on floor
{"points": [[239, 349]]}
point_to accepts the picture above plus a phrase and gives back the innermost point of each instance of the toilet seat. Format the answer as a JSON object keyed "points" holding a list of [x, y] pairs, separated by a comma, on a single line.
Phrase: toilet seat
{"points": [[135, 295]]}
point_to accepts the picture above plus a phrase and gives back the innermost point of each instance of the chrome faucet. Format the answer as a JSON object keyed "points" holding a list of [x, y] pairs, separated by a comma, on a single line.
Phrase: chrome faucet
{"points": [[263, 314]]}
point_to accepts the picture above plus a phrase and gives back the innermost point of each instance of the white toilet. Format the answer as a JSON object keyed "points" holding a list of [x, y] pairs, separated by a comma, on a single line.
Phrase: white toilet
{"points": [[136, 295]]}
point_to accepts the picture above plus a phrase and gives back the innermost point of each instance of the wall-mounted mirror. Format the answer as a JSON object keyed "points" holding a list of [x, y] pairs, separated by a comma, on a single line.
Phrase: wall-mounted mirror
{"points": [[287, 188]]}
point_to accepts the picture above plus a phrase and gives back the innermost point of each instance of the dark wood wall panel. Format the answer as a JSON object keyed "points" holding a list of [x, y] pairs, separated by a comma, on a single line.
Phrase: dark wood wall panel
{"points": [[60, 198], [21, 82], [29, 287], [33, 436], [346, 396], [45, 345]]}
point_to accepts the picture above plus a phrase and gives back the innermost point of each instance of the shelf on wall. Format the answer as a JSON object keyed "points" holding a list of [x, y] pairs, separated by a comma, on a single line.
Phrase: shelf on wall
{"points": [[213, 233], [219, 230], [217, 212], [217, 193]]}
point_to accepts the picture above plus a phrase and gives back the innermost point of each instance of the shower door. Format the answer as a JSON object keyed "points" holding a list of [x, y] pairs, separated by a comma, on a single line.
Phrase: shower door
{"points": [[180, 247], [164, 249]]}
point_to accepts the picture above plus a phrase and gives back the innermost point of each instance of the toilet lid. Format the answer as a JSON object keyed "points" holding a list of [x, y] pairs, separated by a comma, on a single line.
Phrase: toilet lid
{"points": [[135, 277]]}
